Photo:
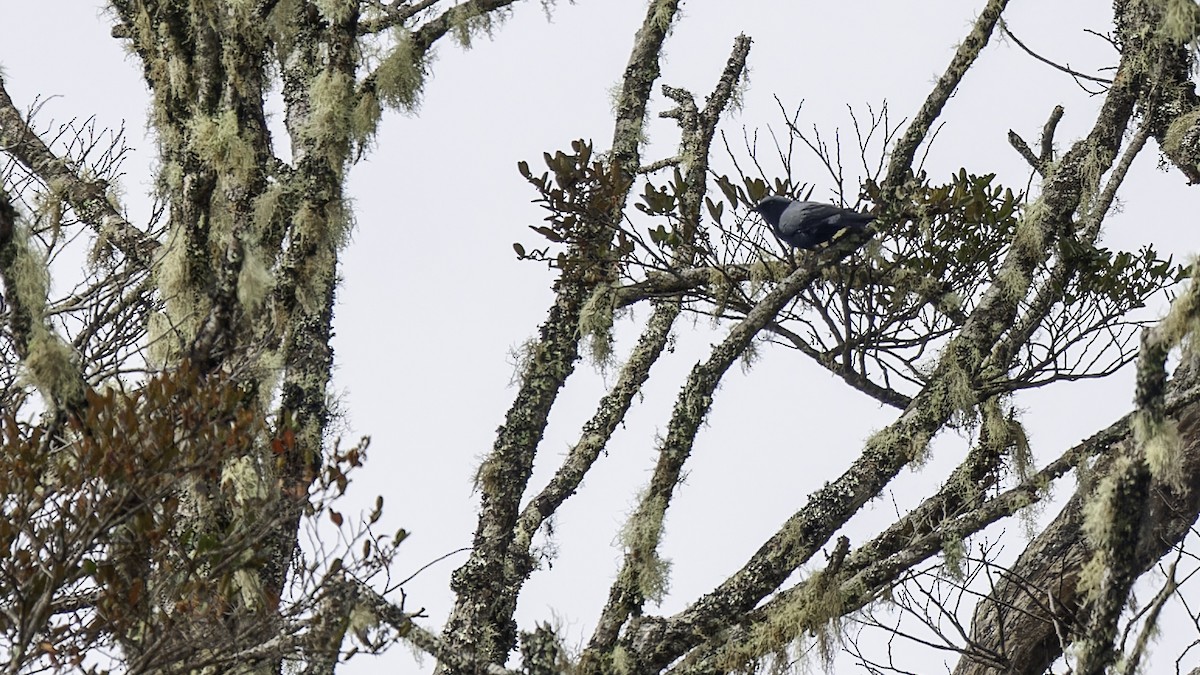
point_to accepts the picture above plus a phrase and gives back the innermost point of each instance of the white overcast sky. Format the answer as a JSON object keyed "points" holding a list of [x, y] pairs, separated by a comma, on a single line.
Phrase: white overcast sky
{"points": [[433, 301]]}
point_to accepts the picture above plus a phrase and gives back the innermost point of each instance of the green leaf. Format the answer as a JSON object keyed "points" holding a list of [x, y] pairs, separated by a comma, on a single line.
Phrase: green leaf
{"points": [[547, 233], [728, 188], [715, 209]]}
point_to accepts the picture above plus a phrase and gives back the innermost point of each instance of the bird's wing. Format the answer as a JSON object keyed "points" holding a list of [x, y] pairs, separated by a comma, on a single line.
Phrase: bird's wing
{"points": [[808, 215]]}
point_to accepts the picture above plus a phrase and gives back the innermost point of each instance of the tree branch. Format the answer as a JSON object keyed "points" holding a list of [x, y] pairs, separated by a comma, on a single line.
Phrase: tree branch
{"points": [[88, 198], [964, 58]]}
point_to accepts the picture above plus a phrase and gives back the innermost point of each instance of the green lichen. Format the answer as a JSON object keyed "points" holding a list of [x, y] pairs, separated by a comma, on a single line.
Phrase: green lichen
{"points": [[1030, 236], [1180, 20], [364, 119], [400, 76], [326, 228], [913, 445], [596, 324], [1005, 432], [172, 272], [29, 274], [51, 366], [954, 552], [269, 213], [664, 14], [163, 341], [1161, 442], [649, 572], [362, 619], [954, 389], [218, 140], [467, 21], [620, 662], [49, 361], [1100, 512], [332, 100], [815, 610], [337, 11], [255, 278], [242, 479], [1179, 130]]}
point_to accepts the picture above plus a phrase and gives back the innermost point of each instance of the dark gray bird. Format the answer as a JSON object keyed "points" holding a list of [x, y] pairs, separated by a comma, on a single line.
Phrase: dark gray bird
{"points": [[808, 224]]}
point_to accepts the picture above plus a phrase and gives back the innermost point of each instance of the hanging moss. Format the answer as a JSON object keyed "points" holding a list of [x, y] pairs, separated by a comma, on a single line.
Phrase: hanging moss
{"points": [[400, 77], [331, 95], [1163, 446], [163, 341], [270, 214], [49, 361], [1099, 517], [596, 324], [172, 271], [914, 446], [1002, 428], [255, 279], [28, 274], [337, 11], [650, 573], [1180, 141], [954, 552], [364, 119], [467, 21], [50, 364], [815, 611], [218, 140], [1180, 20]]}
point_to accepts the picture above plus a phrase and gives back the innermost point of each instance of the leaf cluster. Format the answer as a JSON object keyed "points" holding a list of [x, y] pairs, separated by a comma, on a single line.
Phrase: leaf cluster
{"points": [[91, 515], [581, 193]]}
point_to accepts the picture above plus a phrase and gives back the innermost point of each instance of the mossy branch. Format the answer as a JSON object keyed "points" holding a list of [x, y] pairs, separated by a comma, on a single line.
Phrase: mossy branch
{"points": [[88, 198], [599, 429], [50, 362], [968, 51], [888, 451], [487, 584]]}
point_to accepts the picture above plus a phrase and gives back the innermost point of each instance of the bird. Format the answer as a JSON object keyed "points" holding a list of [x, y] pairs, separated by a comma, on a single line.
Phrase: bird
{"points": [[807, 225]]}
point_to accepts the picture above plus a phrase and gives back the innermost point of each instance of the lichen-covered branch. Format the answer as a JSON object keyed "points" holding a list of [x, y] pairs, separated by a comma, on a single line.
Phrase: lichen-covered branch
{"points": [[641, 572], [89, 198], [1048, 572], [598, 430], [906, 148], [49, 360], [488, 583], [1050, 289], [463, 660], [398, 79], [955, 512], [1067, 189]]}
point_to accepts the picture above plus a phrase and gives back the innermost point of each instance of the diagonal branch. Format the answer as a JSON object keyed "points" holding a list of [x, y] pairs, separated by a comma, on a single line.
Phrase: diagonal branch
{"points": [[488, 583], [964, 58], [599, 429], [888, 451], [88, 198]]}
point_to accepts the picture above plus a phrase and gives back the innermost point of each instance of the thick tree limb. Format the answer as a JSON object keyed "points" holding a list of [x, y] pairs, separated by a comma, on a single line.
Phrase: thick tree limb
{"points": [[1047, 574], [596, 432]]}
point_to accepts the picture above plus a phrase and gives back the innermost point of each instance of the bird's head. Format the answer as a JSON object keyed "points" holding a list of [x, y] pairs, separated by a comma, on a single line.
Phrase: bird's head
{"points": [[770, 208]]}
